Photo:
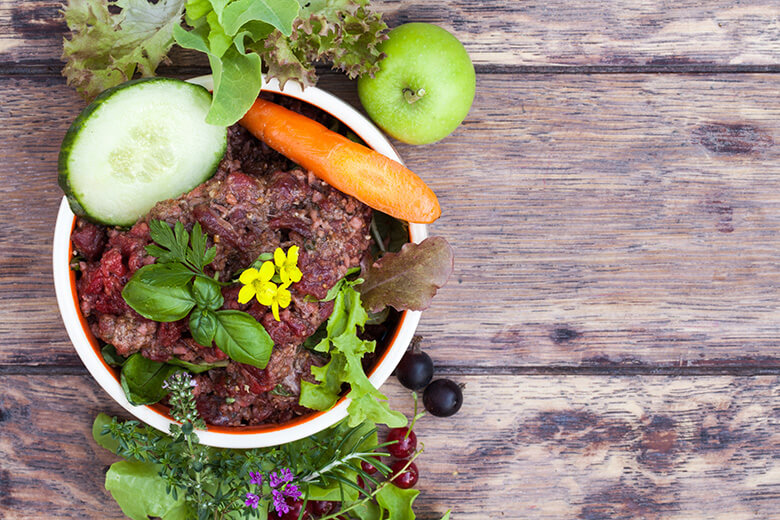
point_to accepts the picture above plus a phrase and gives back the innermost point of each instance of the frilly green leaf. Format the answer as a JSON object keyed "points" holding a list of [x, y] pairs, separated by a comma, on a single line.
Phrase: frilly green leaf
{"points": [[107, 49]]}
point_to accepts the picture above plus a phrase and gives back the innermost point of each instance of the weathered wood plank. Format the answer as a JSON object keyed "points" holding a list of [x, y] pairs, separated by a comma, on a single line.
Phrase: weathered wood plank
{"points": [[571, 447], [597, 220], [504, 32]]}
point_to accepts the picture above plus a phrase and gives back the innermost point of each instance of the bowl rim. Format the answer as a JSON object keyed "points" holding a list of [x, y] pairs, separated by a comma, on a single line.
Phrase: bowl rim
{"points": [[238, 437]]}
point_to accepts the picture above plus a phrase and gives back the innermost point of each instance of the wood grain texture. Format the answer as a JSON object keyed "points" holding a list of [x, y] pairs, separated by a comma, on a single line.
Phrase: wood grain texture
{"points": [[614, 33], [521, 447], [609, 220]]}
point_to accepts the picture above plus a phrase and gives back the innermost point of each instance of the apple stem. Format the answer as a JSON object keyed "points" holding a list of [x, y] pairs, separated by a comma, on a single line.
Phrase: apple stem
{"points": [[411, 96]]}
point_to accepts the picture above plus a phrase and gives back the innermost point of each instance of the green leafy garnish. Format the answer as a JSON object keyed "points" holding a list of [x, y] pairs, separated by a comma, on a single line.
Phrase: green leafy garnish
{"points": [[177, 285], [142, 379], [346, 351], [107, 49], [241, 38], [408, 279]]}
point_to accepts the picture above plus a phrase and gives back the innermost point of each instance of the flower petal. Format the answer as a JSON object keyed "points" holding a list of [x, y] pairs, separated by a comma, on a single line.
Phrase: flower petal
{"points": [[283, 297], [275, 310], [279, 258], [246, 293], [294, 274], [266, 293], [248, 276], [292, 256], [267, 271]]}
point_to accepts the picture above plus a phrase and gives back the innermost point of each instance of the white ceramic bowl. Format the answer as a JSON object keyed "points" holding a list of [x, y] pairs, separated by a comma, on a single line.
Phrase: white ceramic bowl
{"points": [[242, 437]]}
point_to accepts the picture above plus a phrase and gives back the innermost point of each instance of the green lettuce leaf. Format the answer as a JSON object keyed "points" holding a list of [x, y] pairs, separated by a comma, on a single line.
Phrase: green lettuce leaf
{"points": [[342, 32], [346, 351], [107, 49], [397, 502], [408, 279], [139, 490]]}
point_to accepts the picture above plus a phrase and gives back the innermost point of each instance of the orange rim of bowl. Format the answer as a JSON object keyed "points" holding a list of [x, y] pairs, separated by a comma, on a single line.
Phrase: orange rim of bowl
{"points": [[235, 430]]}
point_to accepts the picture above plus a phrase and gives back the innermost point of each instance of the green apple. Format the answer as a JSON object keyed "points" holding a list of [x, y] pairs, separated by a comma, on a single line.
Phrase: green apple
{"points": [[424, 87]]}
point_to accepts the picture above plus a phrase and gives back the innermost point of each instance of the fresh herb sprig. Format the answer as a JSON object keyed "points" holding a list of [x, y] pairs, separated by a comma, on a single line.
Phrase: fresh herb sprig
{"points": [[177, 285]]}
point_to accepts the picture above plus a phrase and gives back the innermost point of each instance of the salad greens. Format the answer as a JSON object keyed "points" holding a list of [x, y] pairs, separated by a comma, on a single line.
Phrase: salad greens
{"points": [[346, 350], [241, 38], [408, 279], [176, 285]]}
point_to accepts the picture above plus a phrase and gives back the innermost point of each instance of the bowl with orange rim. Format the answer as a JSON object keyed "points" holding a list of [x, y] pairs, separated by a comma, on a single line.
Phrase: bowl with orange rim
{"points": [[89, 349]]}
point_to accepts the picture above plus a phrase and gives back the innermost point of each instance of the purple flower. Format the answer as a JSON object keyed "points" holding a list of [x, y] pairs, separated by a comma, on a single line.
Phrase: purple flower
{"points": [[292, 491], [276, 480], [252, 500], [280, 504], [256, 478]]}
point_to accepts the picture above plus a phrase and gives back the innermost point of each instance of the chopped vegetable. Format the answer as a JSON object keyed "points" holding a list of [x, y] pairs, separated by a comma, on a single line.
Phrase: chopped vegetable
{"points": [[349, 167], [137, 144]]}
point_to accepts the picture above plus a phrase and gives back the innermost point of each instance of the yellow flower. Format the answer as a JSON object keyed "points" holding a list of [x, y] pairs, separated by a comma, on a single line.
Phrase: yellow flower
{"points": [[275, 297], [288, 265], [258, 284]]}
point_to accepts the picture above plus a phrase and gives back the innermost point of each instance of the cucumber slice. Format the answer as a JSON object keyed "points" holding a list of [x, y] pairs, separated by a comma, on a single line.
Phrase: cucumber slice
{"points": [[139, 143]]}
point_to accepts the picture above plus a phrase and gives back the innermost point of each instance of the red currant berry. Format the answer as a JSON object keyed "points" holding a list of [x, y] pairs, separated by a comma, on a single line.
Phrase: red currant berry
{"points": [[323, 507], [404, 448], [367, 467], [295, 511], [406, 479]]}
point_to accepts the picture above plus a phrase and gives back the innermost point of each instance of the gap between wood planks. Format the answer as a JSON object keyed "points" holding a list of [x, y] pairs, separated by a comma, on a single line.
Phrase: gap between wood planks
{"points": [[49, 68], [451, 371]]}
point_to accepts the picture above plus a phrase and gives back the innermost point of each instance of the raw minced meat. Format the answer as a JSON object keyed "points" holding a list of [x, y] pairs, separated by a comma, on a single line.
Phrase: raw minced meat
{"points": [[257, 201]]}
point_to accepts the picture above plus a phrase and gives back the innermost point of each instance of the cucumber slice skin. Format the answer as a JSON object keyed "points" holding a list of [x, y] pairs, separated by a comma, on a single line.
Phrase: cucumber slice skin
{"points": [[82, 121]]}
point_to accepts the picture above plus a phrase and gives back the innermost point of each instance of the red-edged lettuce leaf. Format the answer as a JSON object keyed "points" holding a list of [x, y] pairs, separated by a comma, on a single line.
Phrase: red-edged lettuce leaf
{"points": [[408, 279]]}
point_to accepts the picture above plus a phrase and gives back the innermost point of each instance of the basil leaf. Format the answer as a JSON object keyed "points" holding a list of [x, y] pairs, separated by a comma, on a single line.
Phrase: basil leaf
{"points": [[203, 326], [168, 275], [207, 293], [158, 303], [242, 338], [142, 379], [197, 368], [111, 357]]}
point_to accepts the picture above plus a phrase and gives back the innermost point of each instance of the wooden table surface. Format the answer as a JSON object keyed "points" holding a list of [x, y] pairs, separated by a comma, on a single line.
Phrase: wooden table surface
{"points": [[613, 199]]}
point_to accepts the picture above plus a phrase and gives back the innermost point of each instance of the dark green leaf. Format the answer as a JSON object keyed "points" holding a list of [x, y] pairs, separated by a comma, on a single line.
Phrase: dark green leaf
{"points": [[111, 356], [158, 303], [142, 379], [207, 293], [198, 249], [209, 256], [392, 232], [203, 326], [242, 338], [168, 275]]}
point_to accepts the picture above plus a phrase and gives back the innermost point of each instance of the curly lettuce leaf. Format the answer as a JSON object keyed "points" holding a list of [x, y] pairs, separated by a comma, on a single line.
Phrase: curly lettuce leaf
{"points": [[106, 49], [346, 351], [408, 279], [342, 32]]}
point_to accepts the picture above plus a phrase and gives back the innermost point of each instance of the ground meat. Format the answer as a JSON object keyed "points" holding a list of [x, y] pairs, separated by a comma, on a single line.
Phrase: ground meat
{"points": [[257, 201]]}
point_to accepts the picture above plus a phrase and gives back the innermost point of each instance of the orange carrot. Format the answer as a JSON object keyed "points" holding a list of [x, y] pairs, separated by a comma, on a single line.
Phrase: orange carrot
{"points": [[349, 167]]}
